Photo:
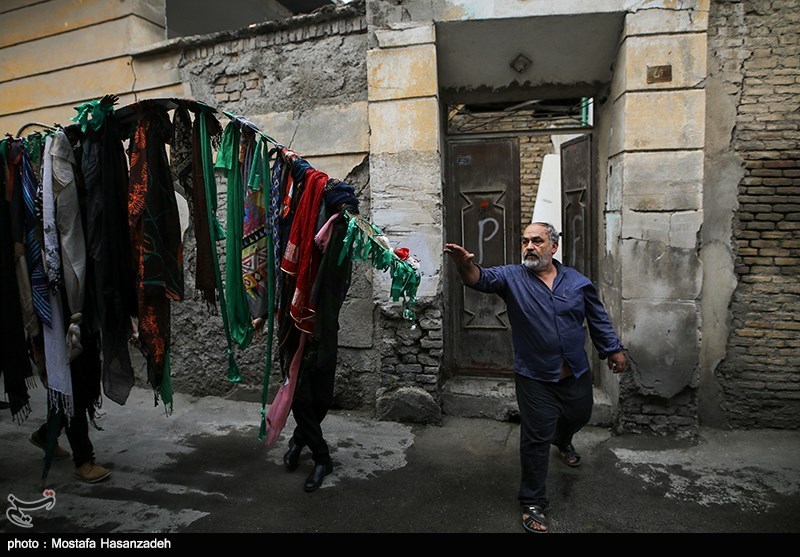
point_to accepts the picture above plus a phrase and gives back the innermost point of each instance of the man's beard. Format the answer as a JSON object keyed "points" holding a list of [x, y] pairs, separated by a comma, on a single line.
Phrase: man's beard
{"points": [[535, 263]]}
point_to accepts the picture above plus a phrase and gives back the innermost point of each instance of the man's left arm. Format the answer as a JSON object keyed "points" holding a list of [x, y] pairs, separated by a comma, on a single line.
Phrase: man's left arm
{"points": [[601, 330]]}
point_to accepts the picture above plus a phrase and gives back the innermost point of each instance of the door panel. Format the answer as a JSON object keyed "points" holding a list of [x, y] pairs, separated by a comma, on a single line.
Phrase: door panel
{"points": [[576, 180], [482, 215]]}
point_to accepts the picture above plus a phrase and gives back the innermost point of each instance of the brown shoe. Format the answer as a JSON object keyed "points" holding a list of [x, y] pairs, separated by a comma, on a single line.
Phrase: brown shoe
{"points": [[90, 472], [59, 453]]}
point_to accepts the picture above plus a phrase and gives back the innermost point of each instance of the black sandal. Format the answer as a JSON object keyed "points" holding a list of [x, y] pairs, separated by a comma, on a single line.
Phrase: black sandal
{"points": [[570, 456], [535, 515]]}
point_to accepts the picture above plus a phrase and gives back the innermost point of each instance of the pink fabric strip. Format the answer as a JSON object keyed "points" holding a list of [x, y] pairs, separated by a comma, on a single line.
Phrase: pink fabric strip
{"points": [[279, 409], [323, 237]]}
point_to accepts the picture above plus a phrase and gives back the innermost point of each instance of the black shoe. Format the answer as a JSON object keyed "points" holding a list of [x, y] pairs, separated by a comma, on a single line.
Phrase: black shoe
{"points": [[319, 472], [291, 460]]}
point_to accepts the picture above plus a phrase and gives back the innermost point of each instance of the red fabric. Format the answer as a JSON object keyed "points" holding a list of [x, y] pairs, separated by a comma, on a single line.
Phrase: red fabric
{"points": [[402, 253], [301, 257]]}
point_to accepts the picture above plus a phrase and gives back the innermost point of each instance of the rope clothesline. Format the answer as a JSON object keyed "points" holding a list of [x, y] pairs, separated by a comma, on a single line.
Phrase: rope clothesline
{"points": [[365, 246]]}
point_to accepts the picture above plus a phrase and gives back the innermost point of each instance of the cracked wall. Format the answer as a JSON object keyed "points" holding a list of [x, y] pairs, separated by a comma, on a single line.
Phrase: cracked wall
{"points": [[654, 200], [281, 75], [405, 167], [55, 55]]}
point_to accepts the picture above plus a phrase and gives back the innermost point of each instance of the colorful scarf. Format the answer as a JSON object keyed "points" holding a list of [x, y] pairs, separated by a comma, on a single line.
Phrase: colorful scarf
{"points": [[33, 237], [274, 220], [302, 257], [255, 248], [156, 240]]}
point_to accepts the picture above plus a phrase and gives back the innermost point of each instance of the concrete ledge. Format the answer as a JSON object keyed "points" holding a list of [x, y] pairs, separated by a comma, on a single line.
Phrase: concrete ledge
{"points": [[494, 398], [479, 397]]}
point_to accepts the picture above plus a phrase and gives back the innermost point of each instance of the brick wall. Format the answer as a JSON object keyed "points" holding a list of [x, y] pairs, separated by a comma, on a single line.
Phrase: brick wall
{"points": [[758, 47], [280, 66], [412, 356]]}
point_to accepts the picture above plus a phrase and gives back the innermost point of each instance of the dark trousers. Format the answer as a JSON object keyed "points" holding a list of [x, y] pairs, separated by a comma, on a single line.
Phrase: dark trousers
{"points": [[78, 436], [550, 413], [312, 400]]}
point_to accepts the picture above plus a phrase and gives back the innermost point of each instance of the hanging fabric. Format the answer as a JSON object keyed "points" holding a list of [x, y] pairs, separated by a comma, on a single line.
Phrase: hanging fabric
{"points": [[16, 234], [110, 252], [180, 157], [279, 171], [71, 239], [33, 234], [255, 238], [216, 233], [239, 317], [14, 363], [205, 258], [300, 258], [261, 250], [80, 300], [59, 378], [156, 241], [366, 242], [279, 409], [132, 263]]}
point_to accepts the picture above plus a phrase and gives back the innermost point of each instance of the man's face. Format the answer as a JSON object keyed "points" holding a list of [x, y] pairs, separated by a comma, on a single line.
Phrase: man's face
{"points": [[537, 249]]}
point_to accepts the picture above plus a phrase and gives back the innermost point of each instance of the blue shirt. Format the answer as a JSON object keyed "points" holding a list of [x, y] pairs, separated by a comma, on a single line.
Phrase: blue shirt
{"points": [[547, 326]]}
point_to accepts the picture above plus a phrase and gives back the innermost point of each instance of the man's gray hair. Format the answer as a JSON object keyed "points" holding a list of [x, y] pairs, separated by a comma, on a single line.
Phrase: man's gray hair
{"points": [[551, 231]]}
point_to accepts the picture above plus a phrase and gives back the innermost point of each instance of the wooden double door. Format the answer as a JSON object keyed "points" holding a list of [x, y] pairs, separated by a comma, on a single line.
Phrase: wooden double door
{"points": [[483, 214]]}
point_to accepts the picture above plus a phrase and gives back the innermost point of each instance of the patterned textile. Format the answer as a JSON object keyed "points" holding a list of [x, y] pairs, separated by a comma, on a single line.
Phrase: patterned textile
{"points": [[255, 256], [274, 219], [180, 156], [52, 252], [33, 243], [155, 237]]}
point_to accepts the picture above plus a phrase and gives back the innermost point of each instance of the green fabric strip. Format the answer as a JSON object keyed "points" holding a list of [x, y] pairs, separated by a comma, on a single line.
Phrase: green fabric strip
{"points": [[258, 167], [92, 113], [165, 389], [211, 209], [363, 247], [238, 312]]}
